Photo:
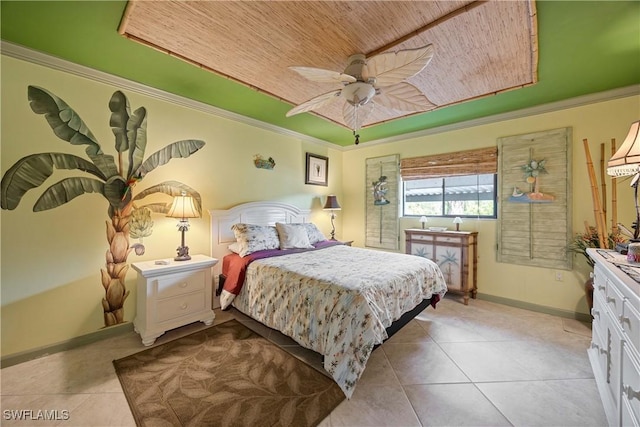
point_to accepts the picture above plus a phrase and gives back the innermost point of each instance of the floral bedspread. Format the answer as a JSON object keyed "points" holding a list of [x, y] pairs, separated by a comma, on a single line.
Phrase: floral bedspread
{"points": [[338, 301]]}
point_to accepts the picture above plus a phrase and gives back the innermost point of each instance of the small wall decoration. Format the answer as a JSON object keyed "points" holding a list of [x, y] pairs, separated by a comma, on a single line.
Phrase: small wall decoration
{"points": [[380, 190], [261, 163], [317, 170], [532, 171]]}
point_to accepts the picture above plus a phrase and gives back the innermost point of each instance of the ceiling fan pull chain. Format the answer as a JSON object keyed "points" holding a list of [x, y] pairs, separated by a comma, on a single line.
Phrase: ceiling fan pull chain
{"points": [[357, 137]]}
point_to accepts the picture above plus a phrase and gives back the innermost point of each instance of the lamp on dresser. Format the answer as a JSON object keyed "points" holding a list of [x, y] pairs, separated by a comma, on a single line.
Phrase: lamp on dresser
{"points": [[626, 162], [183, 208], [332, 205]]}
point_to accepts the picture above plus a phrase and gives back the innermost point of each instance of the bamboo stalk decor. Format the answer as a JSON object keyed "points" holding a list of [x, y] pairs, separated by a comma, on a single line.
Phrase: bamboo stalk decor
{"points": [[603, 183], [614, 195], [597, 207]]}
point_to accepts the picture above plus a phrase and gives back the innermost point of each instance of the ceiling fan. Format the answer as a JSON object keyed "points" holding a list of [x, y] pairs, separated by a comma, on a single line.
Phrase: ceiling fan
{"points": [[370, 81]]}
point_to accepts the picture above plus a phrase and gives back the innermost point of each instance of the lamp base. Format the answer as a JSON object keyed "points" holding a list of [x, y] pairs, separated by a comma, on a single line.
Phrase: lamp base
{"points": [[183, 254]]}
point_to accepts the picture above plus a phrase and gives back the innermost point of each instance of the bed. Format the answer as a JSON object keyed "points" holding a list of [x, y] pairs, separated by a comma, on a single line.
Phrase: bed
{"points": [[311, 291]]}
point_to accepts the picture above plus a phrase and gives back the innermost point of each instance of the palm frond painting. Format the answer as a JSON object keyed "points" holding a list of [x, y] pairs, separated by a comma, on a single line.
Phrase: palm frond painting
{"points": [[112, 177]]}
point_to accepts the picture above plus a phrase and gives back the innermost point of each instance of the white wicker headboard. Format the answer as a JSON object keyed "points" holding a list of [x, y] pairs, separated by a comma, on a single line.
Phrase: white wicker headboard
{"points": [[260, 213]]}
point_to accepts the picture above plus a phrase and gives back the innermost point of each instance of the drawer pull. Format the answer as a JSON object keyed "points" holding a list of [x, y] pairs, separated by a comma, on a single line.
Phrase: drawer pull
{"points": [[624, 319], [611, 299], [595, 312], [183, 285], [184, 306], [594, 345], [630, 392], [603, 351], [601, 287]]}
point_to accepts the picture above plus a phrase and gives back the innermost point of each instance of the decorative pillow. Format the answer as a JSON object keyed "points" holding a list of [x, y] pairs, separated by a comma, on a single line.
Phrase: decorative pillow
{"points": [[314, 234], [234, 247], [293, 236], [252, 238]]}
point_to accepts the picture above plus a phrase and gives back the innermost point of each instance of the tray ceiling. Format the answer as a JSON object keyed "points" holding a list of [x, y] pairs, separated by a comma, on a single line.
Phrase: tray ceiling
{"points": [[481, 48]]}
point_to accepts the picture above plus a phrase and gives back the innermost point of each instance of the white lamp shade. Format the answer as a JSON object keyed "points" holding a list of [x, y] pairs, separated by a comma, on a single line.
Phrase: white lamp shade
{"points": [[457, 220], [183, 207], [626, 160], [423, 219]]}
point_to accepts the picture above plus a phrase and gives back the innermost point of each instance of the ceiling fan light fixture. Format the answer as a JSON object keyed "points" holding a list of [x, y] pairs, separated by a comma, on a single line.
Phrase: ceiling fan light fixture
{"points": [[358, 93], [381, 75]]}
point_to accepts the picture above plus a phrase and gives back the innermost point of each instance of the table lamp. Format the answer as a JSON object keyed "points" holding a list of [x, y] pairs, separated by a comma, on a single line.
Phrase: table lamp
{"points": [[626, 162], [332, 205], [183, 208]]}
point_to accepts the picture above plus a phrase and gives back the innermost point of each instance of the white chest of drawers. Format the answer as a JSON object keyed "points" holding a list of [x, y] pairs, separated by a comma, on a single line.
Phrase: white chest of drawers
{"points": [[172, 295], [615, 343]]}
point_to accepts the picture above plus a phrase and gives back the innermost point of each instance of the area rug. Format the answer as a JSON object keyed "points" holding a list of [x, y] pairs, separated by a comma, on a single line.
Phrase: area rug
{"points": [[226, 375]]}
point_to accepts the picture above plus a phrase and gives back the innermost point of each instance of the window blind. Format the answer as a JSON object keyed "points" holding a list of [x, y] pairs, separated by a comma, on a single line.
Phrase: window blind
{"points": [[469, 162]]}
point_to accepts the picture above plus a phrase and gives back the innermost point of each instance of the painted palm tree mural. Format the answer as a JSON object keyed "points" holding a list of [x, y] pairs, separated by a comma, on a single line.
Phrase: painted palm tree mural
{"points": [[113, 178], [448, 261]]}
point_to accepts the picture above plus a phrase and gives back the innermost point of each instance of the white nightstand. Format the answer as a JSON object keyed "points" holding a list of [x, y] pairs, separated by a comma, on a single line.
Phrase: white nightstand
{"points": [[172, 295]]}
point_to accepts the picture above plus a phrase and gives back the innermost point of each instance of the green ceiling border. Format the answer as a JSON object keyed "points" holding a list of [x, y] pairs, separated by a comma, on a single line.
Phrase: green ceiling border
{"points": [[579, 53]]}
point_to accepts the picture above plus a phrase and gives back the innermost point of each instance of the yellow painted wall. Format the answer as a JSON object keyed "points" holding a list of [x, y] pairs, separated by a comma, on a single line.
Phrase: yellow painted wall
{"points": [[51, 260], [598, 123], [50, 281]]}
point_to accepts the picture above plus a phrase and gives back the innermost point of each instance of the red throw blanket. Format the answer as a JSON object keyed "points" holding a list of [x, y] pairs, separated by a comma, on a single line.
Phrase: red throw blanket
{"points": [[234, 267]]}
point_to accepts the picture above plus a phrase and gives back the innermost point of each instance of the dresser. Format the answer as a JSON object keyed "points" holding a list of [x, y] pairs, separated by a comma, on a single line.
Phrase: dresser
{"points": [[614, 353], [455, 252], [171, 294]]}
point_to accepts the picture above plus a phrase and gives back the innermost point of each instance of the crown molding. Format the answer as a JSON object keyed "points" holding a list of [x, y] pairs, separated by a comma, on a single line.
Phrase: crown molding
{"points": [[26, 54], [623, 92]]}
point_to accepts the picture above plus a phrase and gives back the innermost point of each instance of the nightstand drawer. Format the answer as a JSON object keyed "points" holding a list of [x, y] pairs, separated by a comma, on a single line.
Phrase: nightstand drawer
{"points": [[180, 306], [180, 283]]}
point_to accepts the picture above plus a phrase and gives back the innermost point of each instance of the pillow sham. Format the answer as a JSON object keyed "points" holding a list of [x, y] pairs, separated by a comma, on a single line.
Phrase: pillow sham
{"points": [[293, 236], [252, 238], [315, 235], [234, 247]]}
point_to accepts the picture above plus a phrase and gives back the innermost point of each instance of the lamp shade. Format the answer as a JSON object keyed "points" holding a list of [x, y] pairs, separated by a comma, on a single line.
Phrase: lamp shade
{"points": [[423, 219], [332, 203], [183, 207], [626, 160]]}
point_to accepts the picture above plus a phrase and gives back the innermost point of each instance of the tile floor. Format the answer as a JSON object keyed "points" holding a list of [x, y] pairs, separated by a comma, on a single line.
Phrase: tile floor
{"points": [[479, 365]]}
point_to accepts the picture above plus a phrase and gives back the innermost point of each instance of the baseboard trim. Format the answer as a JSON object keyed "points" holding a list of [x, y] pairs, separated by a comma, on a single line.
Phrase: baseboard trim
{"points": [[20, 357], [535, 307]]}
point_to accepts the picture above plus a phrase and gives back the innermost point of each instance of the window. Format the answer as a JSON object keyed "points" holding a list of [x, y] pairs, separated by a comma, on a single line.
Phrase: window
{"points": [[451, 184], [466, 195]]}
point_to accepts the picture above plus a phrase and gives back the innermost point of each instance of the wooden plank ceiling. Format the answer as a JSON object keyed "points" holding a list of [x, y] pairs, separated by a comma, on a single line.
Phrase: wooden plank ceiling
{"points": [[481, 48]]}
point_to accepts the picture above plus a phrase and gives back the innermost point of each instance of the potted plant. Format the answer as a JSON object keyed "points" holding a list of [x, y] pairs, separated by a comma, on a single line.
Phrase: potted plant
{"points": [[589, 239]]}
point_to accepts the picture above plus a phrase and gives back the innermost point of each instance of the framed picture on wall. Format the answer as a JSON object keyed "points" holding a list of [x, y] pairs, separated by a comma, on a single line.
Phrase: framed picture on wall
{"points": [[317, 170]]}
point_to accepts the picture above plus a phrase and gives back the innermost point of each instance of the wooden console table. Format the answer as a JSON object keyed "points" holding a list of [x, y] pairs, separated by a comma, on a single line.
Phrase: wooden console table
{"points": [[455, 252]]}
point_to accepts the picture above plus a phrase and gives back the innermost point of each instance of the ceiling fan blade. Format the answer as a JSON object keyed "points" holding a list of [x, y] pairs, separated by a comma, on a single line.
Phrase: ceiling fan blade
{"points": [[355, 115], [316, 102], [404, 97], [323, 76], [394, 67]]}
